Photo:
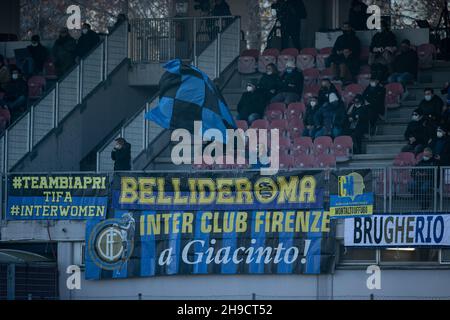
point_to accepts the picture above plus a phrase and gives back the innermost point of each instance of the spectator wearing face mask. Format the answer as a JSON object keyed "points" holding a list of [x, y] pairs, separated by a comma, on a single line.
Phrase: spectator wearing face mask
{"points": [[291, 85], [38, 54], [440, 144], [121, 155], [87, 41], [308, 119], [344, 59], [270, 82], [252, 104], [416, 133], [375, 95], [358, 121], [325, 89], [422, 184], [5, 75], [64, 52], [431, 105], [329, 119], [16, 92], [405, 65]]}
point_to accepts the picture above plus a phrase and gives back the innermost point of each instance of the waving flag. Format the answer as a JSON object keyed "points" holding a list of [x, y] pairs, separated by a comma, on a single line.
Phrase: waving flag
{"points": [[188, 95]]}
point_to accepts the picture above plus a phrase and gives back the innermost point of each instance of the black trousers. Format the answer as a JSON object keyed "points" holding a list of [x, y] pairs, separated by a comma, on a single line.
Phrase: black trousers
{"points": [[290, 32]]}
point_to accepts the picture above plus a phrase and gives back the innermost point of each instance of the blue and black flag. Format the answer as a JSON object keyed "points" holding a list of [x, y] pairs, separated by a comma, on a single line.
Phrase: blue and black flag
{"points": [[188, 95]]}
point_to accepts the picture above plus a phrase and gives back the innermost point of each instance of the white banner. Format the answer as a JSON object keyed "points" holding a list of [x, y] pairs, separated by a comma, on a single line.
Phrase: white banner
{"points": [[405, 230]]}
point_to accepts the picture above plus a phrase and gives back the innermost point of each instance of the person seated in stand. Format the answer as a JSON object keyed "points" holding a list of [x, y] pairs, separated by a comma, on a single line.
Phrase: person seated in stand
{"points": [[431, 105], [270, 82], [375, 95], [326, 88], [252, 104], [16, 93], [440, 144], [422, 185], [34, 65], [383, 46], [329, 119], [308, 119], [291, 85], [344, 59], [405, 65], [357, 122], [416, 133]]}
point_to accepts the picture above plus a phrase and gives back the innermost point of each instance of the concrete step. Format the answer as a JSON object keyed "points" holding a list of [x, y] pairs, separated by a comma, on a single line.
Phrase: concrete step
{"points": [[379, 148], [391, 129], [385, 138]]}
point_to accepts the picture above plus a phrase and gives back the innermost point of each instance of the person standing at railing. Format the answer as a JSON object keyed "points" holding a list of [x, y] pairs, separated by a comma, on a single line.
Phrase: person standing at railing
{"points": [[121, 155], [422, 184], [64, 52], [440, 144], [87, 41], [290, 14]]}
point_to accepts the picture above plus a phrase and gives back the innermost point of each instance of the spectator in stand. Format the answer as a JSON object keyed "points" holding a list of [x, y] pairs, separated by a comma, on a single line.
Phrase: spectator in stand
{"points": [[252, 104], [270, 82], [432, 105], [358, 120], [291, 85], [87, 41], [344, 59], [5, 75], [329, 119], [221, 9], [121, 155], [358, 15], [440, 144], [39, 55], [16, 93], [416, 133], [311, 109], [383, 46], [64, 52], [375, 95], [422, 184], [289, 14], [326, 88], [405, 65]]}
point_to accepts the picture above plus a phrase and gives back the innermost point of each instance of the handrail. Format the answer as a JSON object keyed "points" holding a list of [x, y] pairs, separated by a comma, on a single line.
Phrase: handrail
{"points": [[105, 68]]}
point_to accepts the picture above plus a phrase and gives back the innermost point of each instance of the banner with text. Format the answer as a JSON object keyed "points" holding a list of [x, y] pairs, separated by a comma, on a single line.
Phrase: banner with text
{"points": [[57, 197], [151, 243], [218, 191], [406, 230]]}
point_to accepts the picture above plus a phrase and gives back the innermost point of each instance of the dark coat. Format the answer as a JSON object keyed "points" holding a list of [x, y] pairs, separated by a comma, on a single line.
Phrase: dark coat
{"points": [[86, 43], [64, 54], [441, 147], [348, 41], [324, 94], [310, 114], [270, 84], [251, 102], [122, 158], [222, 9], [39, 54], [330, 115], [358, 19], [292, 82], [360, 117], [290, 12], [433, 107], [15, 89], [406, 62], [383, 39], [417, 130], [375, 97]]}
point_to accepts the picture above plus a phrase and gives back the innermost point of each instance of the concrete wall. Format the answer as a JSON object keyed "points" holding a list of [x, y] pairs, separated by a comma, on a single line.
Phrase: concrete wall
{"points": [[80, 133], [10, 16]]}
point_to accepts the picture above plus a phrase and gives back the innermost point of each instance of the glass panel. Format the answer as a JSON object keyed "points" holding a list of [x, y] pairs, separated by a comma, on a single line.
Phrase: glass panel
{"points": [[68, 94], [92, 70], [357, 255], [43, 117], [134, 134], [445, 255], [409, 255], [17, 141]]}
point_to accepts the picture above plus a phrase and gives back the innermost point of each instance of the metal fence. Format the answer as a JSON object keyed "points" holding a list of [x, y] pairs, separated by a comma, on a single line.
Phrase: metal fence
{"points": [[47, 113], [211, 43]]}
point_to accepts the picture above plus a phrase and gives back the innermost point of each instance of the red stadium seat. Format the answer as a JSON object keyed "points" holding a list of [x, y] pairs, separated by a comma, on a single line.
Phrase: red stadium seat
{"points": [[277, 106], [260, 124], [250, 53], [295, 128], [306, 58], [326, 74], [284, 146], [304, 161], [351, 91], [311, 76], [281, 125], [242, 124], [322, 56], [323, 145], [326, 161], [286, 161], [394, 92], [343, 148], [405, 159], [303, 146], [247, 65], [282, 60], [50, 70], [296, 110], [274, 115], [426, 53], [36, 86], [268, 56]]}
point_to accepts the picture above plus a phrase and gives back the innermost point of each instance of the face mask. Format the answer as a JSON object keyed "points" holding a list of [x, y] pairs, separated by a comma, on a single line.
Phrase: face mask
{"points": [[415, 118], [440, 134], [289, 70], [269, 73], [373, 84], [358, 105], [34, 44], [15, 76], [426, 158], [313, 103], [249, 89], [428, 98], [84, 31]]}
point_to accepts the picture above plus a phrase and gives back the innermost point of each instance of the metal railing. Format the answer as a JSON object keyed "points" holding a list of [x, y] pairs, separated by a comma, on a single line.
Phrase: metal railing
{"points": [[211, 43], [47, 113]]}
